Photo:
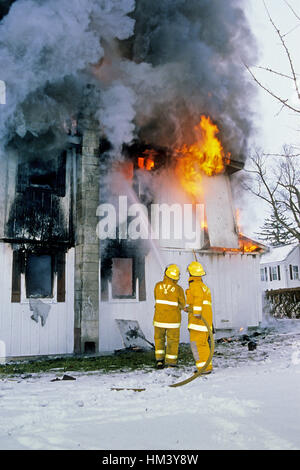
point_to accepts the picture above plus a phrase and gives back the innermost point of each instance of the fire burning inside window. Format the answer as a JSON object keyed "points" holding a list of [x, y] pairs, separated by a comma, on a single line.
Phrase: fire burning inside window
{"points": [[147, 160]]}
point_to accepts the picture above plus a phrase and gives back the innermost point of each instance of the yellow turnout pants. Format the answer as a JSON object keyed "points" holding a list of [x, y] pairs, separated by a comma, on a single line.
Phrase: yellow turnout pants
{"points": [[200, 348], [170, 353]]}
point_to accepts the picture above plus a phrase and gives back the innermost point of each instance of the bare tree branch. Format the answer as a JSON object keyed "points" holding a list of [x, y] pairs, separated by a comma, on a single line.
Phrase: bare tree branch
{"points": [[267, 69], [270, 92], [286, 51], [291, 8], [279, 189]]}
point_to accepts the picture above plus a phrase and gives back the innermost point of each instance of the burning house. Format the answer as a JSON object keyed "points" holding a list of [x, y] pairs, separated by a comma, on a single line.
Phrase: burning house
{"points": [[116, 160]]}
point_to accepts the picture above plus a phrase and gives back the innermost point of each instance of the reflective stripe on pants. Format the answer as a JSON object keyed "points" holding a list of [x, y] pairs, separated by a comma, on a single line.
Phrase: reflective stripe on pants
{"points": [[166, 325], [200, 348]]}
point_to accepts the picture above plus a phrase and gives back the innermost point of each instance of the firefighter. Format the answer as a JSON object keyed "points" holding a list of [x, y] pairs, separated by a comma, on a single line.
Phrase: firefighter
{"points": [[169, 301], [198, 298]]}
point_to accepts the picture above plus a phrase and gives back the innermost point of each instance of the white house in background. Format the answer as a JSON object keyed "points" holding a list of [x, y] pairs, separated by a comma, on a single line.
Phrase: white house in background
{"points": [[280, 267]]}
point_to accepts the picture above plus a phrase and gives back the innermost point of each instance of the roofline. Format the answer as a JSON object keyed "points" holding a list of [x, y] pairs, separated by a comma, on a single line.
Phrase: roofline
{"points": [[283, 259]]}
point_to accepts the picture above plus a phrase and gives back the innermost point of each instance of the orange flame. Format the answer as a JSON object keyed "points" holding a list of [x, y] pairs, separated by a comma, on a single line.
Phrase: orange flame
{"points": [[141, 162], [147, 161], [149, 164], [247, 246], [204, 156], [145, 165]]}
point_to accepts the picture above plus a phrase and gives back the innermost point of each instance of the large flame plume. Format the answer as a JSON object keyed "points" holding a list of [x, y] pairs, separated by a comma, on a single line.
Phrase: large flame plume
{"points": [[206, 155]]}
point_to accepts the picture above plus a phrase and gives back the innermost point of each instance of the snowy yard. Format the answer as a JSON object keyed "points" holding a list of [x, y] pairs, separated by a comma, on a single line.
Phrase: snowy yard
{"points": [[251, 401]]}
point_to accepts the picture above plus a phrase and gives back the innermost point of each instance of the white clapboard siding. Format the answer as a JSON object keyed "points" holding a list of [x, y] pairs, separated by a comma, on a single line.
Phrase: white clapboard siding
{"points": [[23, 336], [234, 282]]}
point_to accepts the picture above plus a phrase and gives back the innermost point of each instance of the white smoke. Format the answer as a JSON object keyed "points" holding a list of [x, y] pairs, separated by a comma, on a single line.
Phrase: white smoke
{"points": [[116, 115], [49, 43]]}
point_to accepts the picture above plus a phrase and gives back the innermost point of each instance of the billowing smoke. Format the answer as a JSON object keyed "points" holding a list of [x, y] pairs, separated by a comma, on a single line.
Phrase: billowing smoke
{"points": [[196, 49], [47, 50], [152, 68]]}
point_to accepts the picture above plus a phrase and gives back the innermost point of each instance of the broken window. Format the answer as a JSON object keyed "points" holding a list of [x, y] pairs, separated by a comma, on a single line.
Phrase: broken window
{"points": [[126, 275], [39, 271], [46, 175], [122, 278], [39, 276]]}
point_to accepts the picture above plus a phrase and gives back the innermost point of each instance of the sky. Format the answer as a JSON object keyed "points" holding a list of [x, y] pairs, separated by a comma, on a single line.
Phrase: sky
{"points": [[275, 127]]}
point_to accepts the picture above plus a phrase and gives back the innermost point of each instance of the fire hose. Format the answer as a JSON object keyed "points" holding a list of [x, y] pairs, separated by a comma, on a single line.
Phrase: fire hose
{"points": [[195, 375], [204, 367]]}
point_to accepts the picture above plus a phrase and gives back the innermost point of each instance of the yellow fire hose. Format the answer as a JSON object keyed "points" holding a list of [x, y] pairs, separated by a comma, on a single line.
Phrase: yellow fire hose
{"points": [[203, 369]]}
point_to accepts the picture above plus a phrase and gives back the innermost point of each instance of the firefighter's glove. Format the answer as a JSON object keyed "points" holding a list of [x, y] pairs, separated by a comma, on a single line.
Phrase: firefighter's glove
{"points": [[188, 309]]}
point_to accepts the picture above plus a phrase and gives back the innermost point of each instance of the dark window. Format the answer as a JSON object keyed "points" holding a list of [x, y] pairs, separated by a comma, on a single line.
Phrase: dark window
{"points": [[291, 272], [46, 175], [278, 268], [39, 276], [16, 277], [266, 273]]}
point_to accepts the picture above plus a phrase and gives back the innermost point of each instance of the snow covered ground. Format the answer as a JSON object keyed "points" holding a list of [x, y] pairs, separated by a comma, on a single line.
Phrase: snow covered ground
{"points": [[251, 401]]}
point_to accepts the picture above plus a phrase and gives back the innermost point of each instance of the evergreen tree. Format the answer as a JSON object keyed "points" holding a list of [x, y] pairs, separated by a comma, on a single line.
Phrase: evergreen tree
{"points": [[274, 233]]}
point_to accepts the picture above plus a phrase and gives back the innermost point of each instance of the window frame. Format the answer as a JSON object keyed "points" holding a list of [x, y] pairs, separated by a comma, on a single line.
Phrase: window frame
{"points": [[274, 273], [18, 281], [133, 281], [26, 275], [295, 269], [139, 280]]}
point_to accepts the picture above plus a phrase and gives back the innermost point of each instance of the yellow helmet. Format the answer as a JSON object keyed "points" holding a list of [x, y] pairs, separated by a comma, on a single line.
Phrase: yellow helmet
{"points": [[173, 272], [196, 269]]}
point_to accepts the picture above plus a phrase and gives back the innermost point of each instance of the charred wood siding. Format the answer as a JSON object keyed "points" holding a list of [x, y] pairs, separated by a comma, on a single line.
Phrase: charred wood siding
{"points": [[37, 212], [61, 277]]}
